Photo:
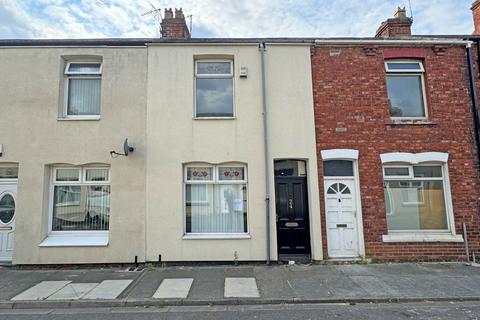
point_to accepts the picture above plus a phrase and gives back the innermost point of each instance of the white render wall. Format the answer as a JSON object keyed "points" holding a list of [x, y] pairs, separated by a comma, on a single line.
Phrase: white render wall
{"points": [[31, 85], [154, 109], [175, 138]]}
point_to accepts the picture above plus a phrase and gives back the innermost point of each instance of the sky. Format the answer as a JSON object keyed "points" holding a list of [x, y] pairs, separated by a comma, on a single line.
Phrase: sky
{"points": [[226, 18]]}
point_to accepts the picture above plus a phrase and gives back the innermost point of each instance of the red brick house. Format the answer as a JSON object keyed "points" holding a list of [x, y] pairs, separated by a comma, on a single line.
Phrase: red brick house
{"points": [[398, 162]]}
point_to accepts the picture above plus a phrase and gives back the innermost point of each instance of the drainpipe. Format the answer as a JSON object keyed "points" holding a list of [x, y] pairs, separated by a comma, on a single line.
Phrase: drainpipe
{"points": [[262, 48], [473, 94]]}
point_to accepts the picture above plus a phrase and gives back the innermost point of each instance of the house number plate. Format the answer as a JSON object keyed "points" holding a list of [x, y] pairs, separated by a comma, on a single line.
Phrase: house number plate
{"points": [[291, 224]]}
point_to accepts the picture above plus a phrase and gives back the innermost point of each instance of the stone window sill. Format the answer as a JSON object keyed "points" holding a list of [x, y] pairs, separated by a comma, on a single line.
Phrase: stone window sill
{"points": [[411, 122], [76, 239], [422, 238]]}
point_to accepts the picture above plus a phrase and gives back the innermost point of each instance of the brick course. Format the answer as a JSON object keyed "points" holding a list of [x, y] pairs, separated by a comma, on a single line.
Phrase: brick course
{"points": [[350, 92]]}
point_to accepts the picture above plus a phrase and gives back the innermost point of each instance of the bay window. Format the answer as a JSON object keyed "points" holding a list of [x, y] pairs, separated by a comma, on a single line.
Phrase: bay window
{"points": [[215, 199], [80, 199], [82, 89]]}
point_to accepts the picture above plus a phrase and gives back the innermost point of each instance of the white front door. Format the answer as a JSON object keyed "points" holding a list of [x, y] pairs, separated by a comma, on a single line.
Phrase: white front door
{"points": [[8, 197], [341, 213]]}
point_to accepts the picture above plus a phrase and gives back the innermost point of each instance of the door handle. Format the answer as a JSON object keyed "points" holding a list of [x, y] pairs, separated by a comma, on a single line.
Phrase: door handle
{"points": [[290, 203], [6, 228]]}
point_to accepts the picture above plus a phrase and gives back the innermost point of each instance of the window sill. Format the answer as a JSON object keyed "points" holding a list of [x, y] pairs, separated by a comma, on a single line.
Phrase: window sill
{"points": [[92, 118], [414, 122], [75, 240], [218, 236], [422, 238], [214, 118]]}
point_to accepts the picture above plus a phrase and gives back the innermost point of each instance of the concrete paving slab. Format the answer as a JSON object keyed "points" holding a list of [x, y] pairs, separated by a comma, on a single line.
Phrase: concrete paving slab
{"points": [[241, 288], [374, 287], [107, 289], [41, 291], [73, 291], [173, 289]]}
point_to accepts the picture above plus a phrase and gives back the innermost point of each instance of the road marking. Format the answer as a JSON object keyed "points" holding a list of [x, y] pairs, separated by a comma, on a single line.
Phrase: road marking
{"points": [[41, 291], [241, 288], [173, 288], [73, 291], [107, 289]]}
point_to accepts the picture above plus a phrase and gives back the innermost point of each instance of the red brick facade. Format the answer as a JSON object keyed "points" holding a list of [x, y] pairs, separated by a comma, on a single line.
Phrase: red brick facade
{"points": [[350, 92], [476, 17]]}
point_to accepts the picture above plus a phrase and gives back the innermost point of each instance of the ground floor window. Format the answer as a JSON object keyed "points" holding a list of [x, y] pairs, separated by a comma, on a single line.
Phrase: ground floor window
{"points": [[216, 198], [80, 199], [415, 198]]}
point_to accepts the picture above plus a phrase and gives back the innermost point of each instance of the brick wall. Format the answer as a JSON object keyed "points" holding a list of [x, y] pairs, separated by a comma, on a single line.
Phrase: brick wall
{"points": [[350, 92]]}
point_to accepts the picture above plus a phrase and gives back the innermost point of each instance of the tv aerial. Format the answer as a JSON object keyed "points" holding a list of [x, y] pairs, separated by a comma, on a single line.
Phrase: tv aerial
{"points": [[156, 13]]}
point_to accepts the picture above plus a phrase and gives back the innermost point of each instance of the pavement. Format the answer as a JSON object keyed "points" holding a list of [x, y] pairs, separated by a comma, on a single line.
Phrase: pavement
{"points": [[238, 285]]}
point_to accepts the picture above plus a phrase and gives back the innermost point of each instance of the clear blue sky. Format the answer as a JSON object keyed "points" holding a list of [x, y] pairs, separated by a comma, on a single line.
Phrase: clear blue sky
{"points": [[226, 18]]}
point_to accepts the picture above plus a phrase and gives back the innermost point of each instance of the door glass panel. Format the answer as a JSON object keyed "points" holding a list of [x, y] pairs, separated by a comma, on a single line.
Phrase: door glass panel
{"points": [[290, 168], [8, 172], [7, 208], [338, 168]]}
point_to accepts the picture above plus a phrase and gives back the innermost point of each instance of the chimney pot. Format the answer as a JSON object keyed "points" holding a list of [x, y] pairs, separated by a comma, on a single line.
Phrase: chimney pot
{"points": [[168, 13], [398, 26], [179, 13], [400, 13]]}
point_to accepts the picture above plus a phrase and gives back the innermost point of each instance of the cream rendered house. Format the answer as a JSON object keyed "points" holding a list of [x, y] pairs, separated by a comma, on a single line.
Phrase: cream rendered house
{"points": [[213, 177]]}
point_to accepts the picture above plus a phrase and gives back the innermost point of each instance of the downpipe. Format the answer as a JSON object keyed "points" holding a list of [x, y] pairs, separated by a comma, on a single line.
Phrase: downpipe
{"points": [[262, 49]]}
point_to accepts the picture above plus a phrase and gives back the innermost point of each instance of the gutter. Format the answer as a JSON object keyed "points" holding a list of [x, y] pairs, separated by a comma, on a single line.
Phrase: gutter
{"points": [[393, 42], [262, 49]]}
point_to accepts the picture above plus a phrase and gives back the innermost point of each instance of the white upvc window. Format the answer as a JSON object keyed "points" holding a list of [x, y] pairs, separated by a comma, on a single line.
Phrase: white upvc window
{"points": [[406, 89], [417, 199], [79, 200], [214, 87], [215, 199], [82, 96]]}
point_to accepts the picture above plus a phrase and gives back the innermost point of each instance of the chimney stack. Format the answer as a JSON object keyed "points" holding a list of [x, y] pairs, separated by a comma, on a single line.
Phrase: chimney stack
{"points": [[476, 17], [397, 27], [174, 26]]}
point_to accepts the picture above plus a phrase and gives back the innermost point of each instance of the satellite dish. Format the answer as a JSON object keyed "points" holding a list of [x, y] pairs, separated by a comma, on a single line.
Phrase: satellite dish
{"points": [[126, 148]]}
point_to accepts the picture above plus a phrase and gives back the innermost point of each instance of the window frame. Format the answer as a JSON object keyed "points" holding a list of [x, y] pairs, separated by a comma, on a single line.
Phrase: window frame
{"points": [[68, 75], [81, 182], [213, 76], [408, 72], [215, 181], [446, 190]]}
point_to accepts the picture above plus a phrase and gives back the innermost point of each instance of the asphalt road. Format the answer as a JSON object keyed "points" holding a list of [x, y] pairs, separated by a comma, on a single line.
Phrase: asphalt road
{"points": [[444, 310]]}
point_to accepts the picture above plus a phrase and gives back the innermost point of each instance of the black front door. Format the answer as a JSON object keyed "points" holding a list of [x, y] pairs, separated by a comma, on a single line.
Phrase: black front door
{"points": [[293, 235]]}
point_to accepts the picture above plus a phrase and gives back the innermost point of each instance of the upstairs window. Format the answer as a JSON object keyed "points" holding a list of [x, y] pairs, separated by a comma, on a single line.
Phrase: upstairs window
{"points": [[213, 89], [406, 89], [82, 89]]}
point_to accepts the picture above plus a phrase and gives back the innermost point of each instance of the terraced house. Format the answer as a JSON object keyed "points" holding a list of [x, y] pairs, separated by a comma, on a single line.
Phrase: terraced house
{"points": [[238, 149]]}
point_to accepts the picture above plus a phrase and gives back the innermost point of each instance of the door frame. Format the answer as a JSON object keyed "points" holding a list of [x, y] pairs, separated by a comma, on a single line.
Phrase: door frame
{"points": [[10, 182], [350, 155], [309, 205]]}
